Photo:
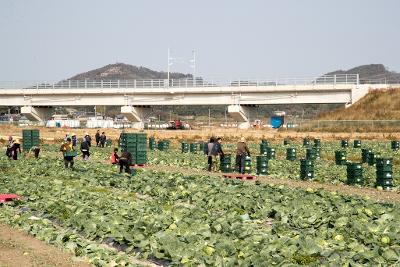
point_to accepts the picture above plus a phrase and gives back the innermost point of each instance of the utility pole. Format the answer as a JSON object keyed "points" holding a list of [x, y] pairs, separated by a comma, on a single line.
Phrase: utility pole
{"points": [[209, 117], [193, 61], [226, 118], [168, 65]]}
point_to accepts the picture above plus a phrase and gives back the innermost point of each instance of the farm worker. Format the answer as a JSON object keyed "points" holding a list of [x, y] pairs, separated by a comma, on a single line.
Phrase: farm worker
{"points": [[103, 139], [88, 139], [35, 150], [85, 149], [217, 152], [66, 137], [114, 156], [65, 148], [241, 152], [120, 136], [97, 137], [74, 139], [15, 148], [9, 145], [125, 161], [207, 151]]}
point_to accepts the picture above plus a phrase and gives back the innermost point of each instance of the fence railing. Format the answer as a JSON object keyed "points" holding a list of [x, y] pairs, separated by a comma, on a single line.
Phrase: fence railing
{"points": [[183, 83]]}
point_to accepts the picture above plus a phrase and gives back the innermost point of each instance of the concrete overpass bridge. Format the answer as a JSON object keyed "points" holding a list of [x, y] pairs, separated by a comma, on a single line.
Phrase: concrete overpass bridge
{"points": [[137, 96]]}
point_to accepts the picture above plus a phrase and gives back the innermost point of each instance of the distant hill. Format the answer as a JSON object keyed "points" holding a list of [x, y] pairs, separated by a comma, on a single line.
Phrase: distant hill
{"points": [[121, 71], [376, 105], [372, 73]]}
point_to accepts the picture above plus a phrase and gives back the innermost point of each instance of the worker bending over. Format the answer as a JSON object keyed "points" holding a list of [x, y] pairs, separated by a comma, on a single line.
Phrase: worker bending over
{"points": [[15, 148], [125, 161]]}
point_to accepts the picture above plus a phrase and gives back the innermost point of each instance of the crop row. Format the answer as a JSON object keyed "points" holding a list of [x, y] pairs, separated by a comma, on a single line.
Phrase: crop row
{"points": [[325, 169], [200, 220]]}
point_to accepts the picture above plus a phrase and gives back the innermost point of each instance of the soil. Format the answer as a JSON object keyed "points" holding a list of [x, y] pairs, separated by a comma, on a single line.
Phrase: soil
{"points": [[20, 249], [51, 135]]}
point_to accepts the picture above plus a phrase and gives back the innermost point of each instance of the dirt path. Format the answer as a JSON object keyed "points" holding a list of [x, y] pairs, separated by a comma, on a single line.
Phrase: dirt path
{"points": [[20, 249], [230, 135], [371, 193]]}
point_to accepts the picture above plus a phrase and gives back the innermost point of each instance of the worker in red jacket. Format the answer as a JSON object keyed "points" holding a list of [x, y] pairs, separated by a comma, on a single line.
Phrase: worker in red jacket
{"points": [[114, 156]]}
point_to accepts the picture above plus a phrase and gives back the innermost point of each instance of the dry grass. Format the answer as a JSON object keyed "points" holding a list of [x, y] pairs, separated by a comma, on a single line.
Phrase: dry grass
{"points": [[376, 105]]}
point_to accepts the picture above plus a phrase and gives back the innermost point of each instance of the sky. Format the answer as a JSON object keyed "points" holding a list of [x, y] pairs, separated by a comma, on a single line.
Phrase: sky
{"points": [[52, 40]]}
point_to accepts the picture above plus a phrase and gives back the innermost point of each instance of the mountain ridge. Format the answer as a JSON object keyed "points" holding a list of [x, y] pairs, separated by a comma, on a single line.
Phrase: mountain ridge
{"points": [[122, 71]]}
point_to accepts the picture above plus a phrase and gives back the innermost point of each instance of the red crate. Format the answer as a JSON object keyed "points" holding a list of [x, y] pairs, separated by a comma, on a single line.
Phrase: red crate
{"points": [[239, 176], [139, 165], [8, 197]]}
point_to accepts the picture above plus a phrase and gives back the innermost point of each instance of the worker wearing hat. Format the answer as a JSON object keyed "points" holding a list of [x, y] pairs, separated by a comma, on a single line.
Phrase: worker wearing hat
{"points": [[241, 152]]}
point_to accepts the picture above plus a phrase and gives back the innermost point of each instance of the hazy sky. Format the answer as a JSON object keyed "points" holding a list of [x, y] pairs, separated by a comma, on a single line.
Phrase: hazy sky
{"points": [[51, 40]]}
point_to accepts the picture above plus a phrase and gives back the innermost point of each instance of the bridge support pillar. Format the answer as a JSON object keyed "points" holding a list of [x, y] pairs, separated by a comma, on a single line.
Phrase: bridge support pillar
{"points": [[136, 115], [242, 114], [37, 113]]}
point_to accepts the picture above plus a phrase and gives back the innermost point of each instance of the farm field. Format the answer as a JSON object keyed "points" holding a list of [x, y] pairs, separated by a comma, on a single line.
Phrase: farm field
{"points": [[167, 215]]}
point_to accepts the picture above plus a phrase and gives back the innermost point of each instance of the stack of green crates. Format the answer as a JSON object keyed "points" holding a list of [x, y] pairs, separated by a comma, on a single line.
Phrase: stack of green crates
{"points": [[311, 153], [286, 142], [226, 163], [372, 158], [365, 154], [152, 143], [247, 165], [357, 144], [265, 141], [384, 172], [271, 153], [193, 147], [163, 145], [344, 143], [31, 138], [355, 174], [184, 147], [317, 142], [136, 144], [306, 141], [291, 154], [306, 169], [263, 148], [262, 165], [340, 157], [395, 145]]}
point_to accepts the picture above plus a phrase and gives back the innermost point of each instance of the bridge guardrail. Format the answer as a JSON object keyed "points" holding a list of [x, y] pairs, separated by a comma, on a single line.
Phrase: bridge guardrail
{"points": [[183, 83]]}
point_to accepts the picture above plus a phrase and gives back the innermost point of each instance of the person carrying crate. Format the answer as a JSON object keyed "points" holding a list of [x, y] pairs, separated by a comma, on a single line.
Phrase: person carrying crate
{"points": [[69, 153]]}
